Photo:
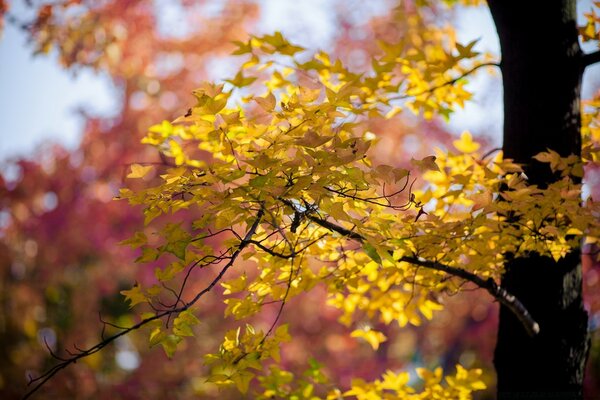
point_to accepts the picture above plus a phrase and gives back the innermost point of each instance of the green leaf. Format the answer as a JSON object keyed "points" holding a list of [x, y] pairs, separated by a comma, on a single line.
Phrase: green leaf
{"points": [[139, 239], [176, 248], [182, 326], [242, 380], [169, 344], [156, 336], [149, 254], [371, 252]]}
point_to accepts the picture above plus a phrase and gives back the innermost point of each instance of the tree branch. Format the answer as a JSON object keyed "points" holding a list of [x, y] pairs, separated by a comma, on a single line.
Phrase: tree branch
{"points": [[499, 293], [49, 374], [589, 59]]}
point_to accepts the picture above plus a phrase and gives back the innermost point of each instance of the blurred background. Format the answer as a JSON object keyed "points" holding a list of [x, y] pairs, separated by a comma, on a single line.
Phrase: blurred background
{"points": [[81, 81]]}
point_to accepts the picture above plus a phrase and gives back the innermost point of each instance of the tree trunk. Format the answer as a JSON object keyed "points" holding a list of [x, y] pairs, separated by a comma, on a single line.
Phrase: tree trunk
{"points": [[542, 79]]}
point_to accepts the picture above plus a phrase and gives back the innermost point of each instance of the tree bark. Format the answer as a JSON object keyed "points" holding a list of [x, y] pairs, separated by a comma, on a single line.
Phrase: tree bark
{"points": [[541, 69]]}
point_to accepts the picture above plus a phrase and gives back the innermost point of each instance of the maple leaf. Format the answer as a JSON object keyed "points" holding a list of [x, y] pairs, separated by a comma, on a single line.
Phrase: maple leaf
{"points": [[139, 171]]}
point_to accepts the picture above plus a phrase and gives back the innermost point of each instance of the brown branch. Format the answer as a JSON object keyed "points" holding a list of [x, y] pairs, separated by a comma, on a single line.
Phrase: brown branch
{"points": [[282, 255], [49, 374], [499, 293], [375, 199], [336, 228]]}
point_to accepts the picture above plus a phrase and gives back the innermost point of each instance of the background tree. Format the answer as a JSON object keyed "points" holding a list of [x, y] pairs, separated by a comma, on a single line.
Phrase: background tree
{"points": [[116, 164]]}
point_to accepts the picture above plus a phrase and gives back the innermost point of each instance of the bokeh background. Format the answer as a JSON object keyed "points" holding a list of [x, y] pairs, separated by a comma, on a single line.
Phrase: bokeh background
{"points": [[80, 83]]}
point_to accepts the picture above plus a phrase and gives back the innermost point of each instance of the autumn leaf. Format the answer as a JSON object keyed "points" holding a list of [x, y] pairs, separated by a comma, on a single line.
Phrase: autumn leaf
{"points": [[481, 200], [240, 80], [425, 164], [135, 295], [267, 103], [372, 252], [312, 139], [242, 380], [139, 239], [235, 285], [466, 144], [371, 336], [139, 171]]}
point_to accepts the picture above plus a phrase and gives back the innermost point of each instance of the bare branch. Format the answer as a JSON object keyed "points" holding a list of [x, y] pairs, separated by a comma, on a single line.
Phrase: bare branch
{"points": [[447, 83], [82, 353]]}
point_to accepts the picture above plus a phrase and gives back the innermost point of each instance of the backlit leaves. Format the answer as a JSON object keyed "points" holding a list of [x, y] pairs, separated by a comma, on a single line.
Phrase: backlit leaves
{"points": [[139, 171], [135, 295], [395, 385], [466, 143], [371, 336], [279, 169]]}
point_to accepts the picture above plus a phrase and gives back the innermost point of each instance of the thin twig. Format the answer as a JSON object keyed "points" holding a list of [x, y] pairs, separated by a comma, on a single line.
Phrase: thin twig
{"points": [[45, 377], [447, 83]]}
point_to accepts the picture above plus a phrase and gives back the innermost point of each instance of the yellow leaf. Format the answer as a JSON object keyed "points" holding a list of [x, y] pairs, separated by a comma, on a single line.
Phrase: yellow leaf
{"points": [[169, 344], [139, 171], [373, 337], [337, 212], [156, 337], [281, 334], [235, 285], [243, 47], [308, 95], [182, 326], [426, 164], [135, 295], [149, 254], [240, 80], [267, 103], [428, 307], [176, 152], [466, 144], [241, 308], [481, 200]]}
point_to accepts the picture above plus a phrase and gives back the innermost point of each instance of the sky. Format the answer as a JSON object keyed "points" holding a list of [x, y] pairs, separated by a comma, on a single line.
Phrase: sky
{"points": [[39, 99]]}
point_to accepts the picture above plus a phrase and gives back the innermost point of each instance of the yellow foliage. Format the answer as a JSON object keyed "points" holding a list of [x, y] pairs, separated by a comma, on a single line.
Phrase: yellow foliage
{"points": [[299, 198], [371, 336]]}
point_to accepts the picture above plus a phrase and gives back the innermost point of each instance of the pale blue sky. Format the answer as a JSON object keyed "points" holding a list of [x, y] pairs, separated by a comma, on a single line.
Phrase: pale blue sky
{"points": [[39, 99]]}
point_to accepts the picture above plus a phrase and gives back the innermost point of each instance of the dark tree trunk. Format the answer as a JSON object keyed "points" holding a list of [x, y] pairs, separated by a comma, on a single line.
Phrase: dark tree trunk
{"points": [[542, 78]]}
